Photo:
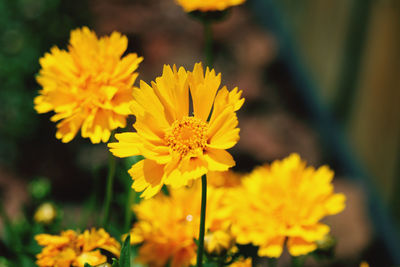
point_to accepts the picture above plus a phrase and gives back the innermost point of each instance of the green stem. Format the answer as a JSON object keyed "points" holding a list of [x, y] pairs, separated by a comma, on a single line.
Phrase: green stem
{"points": [[202, 221], [128, 210], [208, 42], [109, 188]]}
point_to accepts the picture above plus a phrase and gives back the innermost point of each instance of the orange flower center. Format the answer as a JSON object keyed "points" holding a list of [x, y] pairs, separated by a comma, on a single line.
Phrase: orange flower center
{"points": [[187, 136]]}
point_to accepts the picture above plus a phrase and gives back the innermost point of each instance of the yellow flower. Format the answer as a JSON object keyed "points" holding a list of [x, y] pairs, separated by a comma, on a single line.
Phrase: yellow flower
{"points": [[208, 5], [45, 213], [218, 242], [89, 86], [225, 179], [242, 263], [167, 225], [73, 249], [179, 146], [283, 201]]}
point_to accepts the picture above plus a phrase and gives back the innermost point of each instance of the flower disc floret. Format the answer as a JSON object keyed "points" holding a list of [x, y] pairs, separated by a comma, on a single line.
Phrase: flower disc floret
{"points": [[187, 136], [179, 145]]}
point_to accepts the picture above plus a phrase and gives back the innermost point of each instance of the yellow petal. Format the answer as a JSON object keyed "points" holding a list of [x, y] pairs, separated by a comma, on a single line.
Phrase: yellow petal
{"points": [[147, 176], [127, 146], [298, 246], [173, 91], [203, 90], [218, 159], [273, 248]]}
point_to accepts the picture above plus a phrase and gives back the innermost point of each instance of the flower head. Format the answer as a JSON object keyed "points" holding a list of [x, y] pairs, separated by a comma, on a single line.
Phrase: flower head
{"points": [[73, 249], [168, 225], [89, 86], [283, 201], [179, 145], [208, 5], [242, 263], [45, 213]]}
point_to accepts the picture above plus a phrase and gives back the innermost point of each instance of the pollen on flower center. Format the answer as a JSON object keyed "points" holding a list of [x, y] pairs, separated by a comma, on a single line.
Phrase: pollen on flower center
{"points": [[187, 136]]}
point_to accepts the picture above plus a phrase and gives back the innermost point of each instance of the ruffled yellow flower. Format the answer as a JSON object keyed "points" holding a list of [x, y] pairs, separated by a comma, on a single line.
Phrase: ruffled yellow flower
{"points": [[73, 249], [208, 5], [283, 201], [242, 263], [167, 225], [89, 86], [179, 145]]}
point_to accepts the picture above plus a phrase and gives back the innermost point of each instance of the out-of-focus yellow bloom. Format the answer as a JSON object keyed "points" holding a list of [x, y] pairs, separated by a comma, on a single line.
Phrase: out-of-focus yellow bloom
{"points": [[89, 86], [225, 179], [364, 264], [45, 213], [178, 146], [73, 249], [218, 242], [208, 5], [167, 225], [285, 200], [242, 263]]}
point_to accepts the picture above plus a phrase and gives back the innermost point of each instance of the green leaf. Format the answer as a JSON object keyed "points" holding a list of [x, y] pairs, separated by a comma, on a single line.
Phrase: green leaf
{"points": [[125, 259], [115, 263], [88, 265]]}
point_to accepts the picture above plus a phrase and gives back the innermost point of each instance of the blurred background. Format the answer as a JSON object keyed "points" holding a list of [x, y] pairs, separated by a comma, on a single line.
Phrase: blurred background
{"points": [[321, 78]]}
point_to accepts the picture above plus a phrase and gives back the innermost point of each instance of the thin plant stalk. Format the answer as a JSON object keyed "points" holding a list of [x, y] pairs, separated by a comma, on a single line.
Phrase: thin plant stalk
{"points": [[207, 24], [109, 187], [128, 212], [200, 247]]}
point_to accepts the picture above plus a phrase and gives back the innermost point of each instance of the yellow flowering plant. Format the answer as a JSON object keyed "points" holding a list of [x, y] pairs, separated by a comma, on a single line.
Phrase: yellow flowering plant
{"points": [[88, 86], [73, 249], [185, 124], [284, 201], [208, 5], [167, 226], [178, 145]]}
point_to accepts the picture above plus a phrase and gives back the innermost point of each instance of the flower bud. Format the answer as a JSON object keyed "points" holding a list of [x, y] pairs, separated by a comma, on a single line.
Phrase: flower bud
{"points": [[45, 213]]}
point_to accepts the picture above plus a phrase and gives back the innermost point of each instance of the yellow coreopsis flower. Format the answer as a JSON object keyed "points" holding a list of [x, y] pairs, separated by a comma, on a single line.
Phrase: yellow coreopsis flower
{"points": [[242, 263], [89, 86], [285, 200], [168, 225], [73, 249], [179, 145], [208, 5]]}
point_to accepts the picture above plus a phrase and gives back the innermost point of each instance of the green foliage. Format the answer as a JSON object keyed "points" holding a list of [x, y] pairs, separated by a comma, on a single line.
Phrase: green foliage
{"points": [[125, 259], [39, 188], [28, 29]]}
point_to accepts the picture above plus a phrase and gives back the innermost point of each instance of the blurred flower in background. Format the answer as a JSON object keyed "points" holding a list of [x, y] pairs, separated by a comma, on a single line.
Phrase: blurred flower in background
{"points": [[73, 249], [89, 87], [284, 200], [208, 5], [168, 225], [45, 213]]}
